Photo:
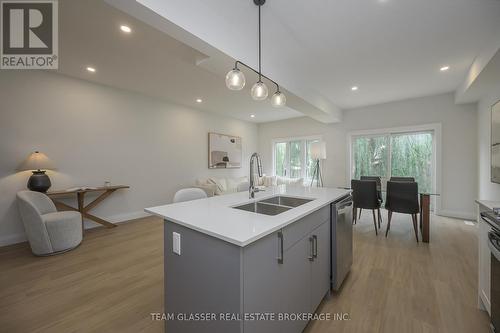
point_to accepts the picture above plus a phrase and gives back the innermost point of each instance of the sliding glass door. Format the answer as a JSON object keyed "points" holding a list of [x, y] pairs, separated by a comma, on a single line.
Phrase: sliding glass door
{"points": [[395, 154], [412, 156], [371, 156]]}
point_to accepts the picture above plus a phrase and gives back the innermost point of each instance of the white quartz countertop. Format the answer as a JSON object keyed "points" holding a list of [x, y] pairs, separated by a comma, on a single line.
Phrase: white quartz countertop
{"points": [[216, 217], [488, 203]]}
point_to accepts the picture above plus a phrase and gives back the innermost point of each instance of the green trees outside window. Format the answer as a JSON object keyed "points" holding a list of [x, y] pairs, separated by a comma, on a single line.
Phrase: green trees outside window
{"points": [[403, 155], [292, 158], [280, 158]]}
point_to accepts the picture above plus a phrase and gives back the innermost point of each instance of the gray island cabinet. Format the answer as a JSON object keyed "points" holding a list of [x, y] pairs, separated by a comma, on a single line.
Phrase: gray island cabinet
{"points": [[266, 285]]}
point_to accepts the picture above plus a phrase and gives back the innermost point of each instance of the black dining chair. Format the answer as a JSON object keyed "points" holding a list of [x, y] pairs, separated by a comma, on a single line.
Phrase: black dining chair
{"points": [[402, 197], [378, 180], [402, 179], [364, 196]]}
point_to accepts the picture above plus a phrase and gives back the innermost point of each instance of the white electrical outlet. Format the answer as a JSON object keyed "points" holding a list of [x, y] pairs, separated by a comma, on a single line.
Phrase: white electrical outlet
{"points": [[176, 243]]}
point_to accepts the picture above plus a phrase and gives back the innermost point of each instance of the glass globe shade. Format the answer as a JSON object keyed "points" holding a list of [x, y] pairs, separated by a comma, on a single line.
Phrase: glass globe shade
{"points": [[278, 100], [259, 91], [235, 80]]}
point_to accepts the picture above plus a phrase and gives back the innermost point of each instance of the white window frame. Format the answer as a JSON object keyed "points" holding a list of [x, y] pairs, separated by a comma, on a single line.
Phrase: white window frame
{"points": [[435, 128], [304, 151]]}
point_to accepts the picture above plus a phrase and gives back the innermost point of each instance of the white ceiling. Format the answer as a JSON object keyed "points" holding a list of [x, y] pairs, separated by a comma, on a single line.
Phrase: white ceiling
{"points": [[391, 49], [149, 62], [181, 50]]}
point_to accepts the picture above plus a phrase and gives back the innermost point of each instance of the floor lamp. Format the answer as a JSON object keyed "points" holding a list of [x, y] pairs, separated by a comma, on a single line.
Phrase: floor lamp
{"points": [[318, 153]]}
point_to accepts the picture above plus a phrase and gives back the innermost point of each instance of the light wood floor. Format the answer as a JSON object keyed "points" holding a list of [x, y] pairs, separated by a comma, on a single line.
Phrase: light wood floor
{"points": [[114, 280], [397, 285], [110, 283]]}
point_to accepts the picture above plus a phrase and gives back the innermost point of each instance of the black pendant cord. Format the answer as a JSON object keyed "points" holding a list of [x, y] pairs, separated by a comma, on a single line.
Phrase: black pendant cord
{"points": [[259, 3], [260, 53]]}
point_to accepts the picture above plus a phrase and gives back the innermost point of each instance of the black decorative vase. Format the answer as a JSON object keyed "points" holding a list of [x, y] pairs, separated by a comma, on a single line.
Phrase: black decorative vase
{"points": [[39, 181]]}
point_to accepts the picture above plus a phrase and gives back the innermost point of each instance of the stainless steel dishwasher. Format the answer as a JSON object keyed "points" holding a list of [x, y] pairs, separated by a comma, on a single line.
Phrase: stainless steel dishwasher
{"points": [[341, 240]]}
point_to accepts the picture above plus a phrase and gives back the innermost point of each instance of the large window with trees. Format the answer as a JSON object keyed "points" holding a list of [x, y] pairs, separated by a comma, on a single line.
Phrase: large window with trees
{"points": [[292, 157], [409, 154]]}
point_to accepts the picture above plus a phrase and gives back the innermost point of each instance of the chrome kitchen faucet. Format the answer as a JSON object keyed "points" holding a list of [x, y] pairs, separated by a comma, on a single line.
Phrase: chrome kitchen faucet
{"points": [[251, 188]]}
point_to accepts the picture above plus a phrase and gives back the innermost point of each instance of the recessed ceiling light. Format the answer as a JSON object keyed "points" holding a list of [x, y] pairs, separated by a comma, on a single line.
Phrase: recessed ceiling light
{"points": [[91, 69], [444, 68], [354, 88], [252, 116], [125, 28], [199, 100]]}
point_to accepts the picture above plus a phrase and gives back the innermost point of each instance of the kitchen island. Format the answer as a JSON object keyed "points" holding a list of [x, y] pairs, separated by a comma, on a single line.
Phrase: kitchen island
{"points": [[238, 265]]}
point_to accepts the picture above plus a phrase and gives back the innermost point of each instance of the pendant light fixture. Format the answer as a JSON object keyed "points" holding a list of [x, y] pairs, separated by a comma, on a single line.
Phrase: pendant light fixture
{"points": [[235, 80]]}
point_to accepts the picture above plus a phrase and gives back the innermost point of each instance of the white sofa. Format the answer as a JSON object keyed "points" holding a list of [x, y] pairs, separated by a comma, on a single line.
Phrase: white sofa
{"points": [[220, 186], [278, 180]]}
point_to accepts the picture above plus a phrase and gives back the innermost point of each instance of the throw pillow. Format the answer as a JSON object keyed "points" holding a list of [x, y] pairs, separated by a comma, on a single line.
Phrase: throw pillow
{"points": [[220, 183]]}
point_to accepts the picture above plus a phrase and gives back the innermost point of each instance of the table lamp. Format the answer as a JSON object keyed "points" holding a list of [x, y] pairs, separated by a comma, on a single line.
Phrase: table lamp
{"points": [[318, 152], [38, 163]]}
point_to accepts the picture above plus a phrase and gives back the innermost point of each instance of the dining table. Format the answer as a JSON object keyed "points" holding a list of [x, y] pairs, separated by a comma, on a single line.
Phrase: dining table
{"points": [[425, 211], [425, 214]]}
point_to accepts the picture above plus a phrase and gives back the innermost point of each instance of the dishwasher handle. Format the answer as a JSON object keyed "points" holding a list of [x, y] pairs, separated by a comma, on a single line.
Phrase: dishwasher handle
{"points": [[347, 202]]}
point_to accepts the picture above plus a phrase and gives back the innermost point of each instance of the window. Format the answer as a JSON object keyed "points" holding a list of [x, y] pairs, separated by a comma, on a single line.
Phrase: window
{"points": [[280, 158], [292, 158], [412, 157], [395, 154], [370, 156]]}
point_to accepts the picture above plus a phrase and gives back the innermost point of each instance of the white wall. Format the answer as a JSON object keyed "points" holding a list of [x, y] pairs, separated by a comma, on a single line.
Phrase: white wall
{"points": [[95, 133], [486, 190], [459, 137]]}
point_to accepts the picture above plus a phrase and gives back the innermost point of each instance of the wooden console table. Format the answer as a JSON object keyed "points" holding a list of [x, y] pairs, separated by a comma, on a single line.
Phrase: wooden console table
{"points": [[82, 208]]}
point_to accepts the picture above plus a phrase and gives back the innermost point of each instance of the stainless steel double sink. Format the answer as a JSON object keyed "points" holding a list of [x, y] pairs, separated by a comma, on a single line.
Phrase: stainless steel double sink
{"points": [[274, 205]]}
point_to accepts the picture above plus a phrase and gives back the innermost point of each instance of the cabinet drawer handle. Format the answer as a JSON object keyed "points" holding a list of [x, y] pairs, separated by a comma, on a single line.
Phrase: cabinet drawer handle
{"points": [[280, 254], [311, 241], [315, 247]]}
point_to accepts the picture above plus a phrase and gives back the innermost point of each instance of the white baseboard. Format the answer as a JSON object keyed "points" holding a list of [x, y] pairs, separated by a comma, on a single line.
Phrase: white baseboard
{"points": [[457, 215], [119, 218], [12, 239], [128, 216]]}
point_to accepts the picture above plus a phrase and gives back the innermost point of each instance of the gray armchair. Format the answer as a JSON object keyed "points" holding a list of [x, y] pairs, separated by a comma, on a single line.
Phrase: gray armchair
{"points": [[48, 231]]}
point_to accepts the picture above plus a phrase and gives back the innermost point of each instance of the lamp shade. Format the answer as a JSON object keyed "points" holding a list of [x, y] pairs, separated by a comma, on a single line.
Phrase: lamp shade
{"points": [[318, 150], [37, 161]]}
